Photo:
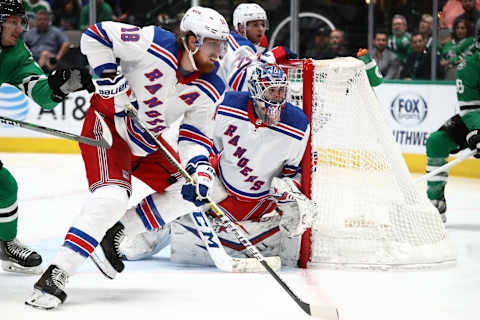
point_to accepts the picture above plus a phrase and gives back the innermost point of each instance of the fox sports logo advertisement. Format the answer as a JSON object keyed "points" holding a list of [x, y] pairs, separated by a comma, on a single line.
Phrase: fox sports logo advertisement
{"points": [[409, 109]]}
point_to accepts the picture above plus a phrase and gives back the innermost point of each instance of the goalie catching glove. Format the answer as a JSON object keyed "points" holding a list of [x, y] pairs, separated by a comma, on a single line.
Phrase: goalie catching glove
{"points": [[202, 174], [65, 81], [299, 212]]}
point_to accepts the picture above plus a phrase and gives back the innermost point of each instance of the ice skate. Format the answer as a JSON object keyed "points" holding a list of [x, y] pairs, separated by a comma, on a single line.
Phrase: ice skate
{"points": [[107, 257], [441, 206], [48, 291], [16, 257]]}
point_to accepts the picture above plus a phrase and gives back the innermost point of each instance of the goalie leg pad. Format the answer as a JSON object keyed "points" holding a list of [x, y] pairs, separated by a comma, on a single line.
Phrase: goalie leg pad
{"points": [[145, 244], [266, 234]]}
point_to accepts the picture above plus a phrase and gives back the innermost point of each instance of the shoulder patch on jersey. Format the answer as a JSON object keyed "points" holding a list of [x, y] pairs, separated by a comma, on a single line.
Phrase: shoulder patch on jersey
{"points": [[166, 40], [294, 117], [211, 84], [237, 100], [236, 41], [234, 105]]}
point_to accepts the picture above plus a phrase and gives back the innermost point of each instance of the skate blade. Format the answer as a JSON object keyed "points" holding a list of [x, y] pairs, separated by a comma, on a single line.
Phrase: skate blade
{"points": [[42, 300], [102, 264], [10, 266]]}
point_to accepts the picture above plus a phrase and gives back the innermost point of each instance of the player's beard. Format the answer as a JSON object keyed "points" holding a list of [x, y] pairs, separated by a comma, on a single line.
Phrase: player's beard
{"points": [[203, 63]]}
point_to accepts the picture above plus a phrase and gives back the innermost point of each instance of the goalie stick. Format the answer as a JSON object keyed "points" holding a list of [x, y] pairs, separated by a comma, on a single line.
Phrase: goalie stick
{"points": [[104, 142], [326, 312], [218, 254], [446, 166]]}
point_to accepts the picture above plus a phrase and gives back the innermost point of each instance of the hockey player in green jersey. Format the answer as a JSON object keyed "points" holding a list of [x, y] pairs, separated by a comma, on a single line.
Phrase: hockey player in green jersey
{"points": [[460, 131], [18, 68]]}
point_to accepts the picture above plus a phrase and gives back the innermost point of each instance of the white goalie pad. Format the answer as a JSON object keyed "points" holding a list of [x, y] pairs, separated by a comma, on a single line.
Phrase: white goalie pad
{"points": [[145, 244], [299, 212], [268, 237]]}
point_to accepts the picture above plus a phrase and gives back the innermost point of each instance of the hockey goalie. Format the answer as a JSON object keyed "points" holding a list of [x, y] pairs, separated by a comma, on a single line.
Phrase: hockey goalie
{"points": [[259, 141]]}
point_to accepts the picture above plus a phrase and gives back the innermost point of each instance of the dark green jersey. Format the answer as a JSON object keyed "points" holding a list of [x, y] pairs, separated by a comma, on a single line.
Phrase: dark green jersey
{"points": [[453, 51], [18, 68], [468, 83], [401, 46]]}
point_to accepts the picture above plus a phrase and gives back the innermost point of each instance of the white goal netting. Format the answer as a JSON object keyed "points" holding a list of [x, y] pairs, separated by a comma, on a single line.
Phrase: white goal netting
{"points": [[372, 216]]}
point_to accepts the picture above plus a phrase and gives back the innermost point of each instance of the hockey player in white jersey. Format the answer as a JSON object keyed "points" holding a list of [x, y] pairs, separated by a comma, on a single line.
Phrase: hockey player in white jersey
{"points": [[166, 77], [244, 46], [258, 136]]}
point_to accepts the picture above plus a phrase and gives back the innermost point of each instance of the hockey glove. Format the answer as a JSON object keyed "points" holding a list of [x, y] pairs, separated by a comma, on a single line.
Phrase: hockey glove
{"points": [[278, 55], [203, 174], [473, 140], [65, 81], [109, 87]]}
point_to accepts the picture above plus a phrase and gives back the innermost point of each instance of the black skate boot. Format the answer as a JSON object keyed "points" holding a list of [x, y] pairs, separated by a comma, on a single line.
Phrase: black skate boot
{"points": [[19, 258], [48, 290], [441, 206], [111, 262]]}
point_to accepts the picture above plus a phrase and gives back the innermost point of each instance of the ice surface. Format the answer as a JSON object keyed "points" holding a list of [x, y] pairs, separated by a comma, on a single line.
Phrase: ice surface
{"points": [[52, 189]]}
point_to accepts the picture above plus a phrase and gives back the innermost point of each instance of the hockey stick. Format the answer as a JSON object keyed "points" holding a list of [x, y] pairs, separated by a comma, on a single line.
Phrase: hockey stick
{"points": [[218, 254], [104, 142], [446, 166], [327, 312]]}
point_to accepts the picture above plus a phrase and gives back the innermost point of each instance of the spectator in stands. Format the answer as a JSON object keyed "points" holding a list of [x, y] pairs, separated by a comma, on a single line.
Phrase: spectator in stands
{"points": [[400, 42], [121, 10], [32, 7], [104, 13], [471, 13], [47, 43], [67, 15], [322, 49], [387, 61], [460, 46], [425, 28], [418, 65], [337, 43]]}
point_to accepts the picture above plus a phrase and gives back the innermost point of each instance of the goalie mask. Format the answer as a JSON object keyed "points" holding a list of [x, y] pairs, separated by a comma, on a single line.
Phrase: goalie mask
{"points": [[268, 88], [210, 29]]}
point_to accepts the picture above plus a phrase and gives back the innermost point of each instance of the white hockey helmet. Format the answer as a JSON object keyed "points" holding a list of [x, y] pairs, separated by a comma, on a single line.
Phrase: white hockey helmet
{"points": [[205, 23], [245, 12]]}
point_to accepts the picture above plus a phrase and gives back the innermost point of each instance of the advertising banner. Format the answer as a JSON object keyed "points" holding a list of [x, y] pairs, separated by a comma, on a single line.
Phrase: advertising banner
{"points": [[66, 116], [412, 110], [415, 110]]}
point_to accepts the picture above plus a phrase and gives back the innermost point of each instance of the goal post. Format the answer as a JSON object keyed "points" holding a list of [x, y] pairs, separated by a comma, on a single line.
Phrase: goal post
{"points": [[371, 214]]}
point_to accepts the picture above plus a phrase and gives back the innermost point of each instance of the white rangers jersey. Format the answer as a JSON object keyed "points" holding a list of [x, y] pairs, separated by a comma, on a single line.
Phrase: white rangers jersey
{"points": [[149, 59], [251, 155], [240, 54]]}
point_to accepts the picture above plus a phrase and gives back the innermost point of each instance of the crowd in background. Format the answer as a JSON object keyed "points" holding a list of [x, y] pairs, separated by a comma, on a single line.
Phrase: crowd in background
{"points": [[403, 52], [407, 55]]}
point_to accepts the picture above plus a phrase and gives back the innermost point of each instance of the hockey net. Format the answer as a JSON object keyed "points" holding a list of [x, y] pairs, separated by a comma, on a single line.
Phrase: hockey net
{"points": [[371, 214]]}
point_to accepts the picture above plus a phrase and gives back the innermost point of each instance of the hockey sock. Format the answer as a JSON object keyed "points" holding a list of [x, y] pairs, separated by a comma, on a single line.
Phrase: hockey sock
{"points": [[101, 211], [436, 184], [8, 205]]}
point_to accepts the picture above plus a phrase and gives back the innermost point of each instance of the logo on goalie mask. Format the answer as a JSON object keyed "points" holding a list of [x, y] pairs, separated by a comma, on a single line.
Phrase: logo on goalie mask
{"points": [[409, 109], [268, 88]]}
